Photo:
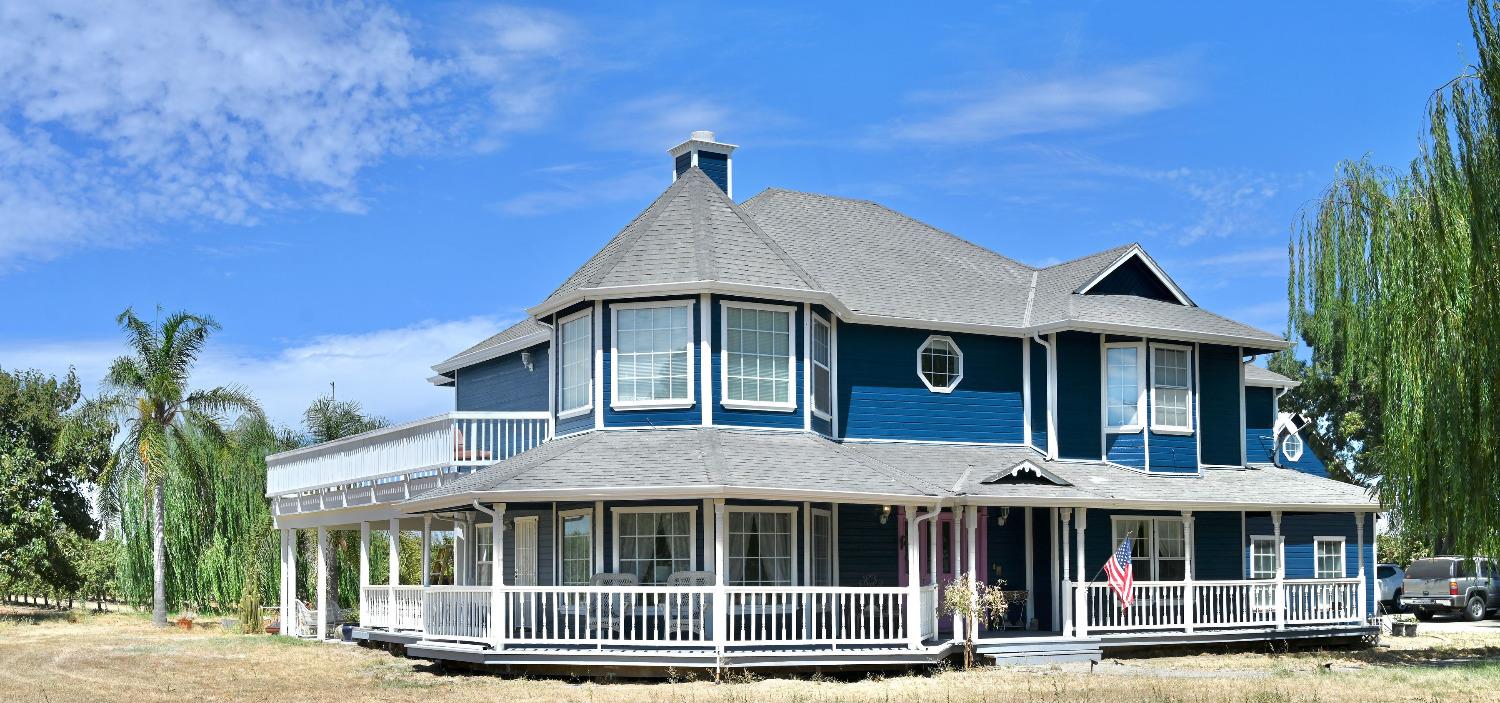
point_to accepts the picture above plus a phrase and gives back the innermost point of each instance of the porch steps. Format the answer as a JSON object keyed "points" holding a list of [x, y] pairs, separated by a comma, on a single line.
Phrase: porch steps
{"points": [[1032, 650]]}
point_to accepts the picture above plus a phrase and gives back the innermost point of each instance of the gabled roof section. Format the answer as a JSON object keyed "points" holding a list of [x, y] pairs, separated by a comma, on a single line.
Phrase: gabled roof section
{"points": [[692, 233], [880, 263], [526, 333], [1135, 273]]}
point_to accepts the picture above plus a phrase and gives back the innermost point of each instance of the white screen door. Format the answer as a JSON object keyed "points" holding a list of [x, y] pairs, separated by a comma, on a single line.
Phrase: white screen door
{"points": [[525, 574]]}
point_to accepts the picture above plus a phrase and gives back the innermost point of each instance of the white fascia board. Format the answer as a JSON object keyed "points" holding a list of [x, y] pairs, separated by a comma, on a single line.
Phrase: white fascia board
{"points": [[1137, 252], [1164, 333], [441, 380], [686, 287], [665, 492], [1271, 383], [1206, 506], [499, 350]]}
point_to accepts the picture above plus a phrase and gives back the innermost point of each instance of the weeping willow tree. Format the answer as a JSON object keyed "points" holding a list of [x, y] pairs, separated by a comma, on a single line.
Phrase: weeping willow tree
{"points": [[217, 527], [1395, 290]]}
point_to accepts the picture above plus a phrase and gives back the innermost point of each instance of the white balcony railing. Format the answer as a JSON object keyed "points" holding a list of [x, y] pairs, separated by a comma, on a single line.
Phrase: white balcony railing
{"points": [[393, 463], [1179, 605]]}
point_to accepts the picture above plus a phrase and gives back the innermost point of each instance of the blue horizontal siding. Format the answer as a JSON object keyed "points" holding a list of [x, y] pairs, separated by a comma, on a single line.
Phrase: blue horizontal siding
{"points": [[1079, 400], [716, 166], [1215, 537], [867, 549], [1308, 463], [882, 396], [1173, 454], [1219, 409], [1260, 418], [1298, 531], [504, 384], [1127, 449], [783, 419]]}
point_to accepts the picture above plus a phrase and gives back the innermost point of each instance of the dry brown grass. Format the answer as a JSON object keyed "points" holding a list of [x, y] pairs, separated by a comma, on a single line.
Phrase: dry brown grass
{"points": [[122, 659]]}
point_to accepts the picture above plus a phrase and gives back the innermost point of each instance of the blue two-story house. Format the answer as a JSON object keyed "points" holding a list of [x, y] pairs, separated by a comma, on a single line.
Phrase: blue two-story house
{"points": [[772, 432]]}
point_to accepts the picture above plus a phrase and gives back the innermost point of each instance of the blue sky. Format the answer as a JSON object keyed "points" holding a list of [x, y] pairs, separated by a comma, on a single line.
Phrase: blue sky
{"points": [[356, 192]]}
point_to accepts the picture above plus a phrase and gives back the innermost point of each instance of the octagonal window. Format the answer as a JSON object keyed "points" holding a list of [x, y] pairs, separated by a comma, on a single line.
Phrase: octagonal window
{"points": [[940, 364]]}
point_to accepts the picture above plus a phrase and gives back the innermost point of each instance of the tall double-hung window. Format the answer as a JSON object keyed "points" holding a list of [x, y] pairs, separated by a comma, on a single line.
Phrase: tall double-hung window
{"points": [[758, 354], [1171, 388], [577, 527], [653, 355], [822, 368], [1123, 380], [761, 548], [576, 341], [654, 543], [1158, 547]]}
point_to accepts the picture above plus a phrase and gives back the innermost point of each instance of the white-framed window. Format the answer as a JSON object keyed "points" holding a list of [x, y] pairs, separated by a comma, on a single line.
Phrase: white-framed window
{"points": [[576, 546], [652, 353], [654, 543], [1159, 549], [1124, 382], [1263, 557], [1291, 446], [762, 548], [758, 355], [575, 335], [1171, 388], [1328, 557], [822, 368], [484, 554], [822, 547], [940, 364]]}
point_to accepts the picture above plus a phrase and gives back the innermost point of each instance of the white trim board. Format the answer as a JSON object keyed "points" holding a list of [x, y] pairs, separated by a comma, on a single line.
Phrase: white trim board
{"points": [[1136, 252]]}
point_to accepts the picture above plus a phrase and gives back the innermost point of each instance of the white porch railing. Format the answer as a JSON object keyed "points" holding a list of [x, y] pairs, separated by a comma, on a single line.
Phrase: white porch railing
{"points": [[760, 615], [375, 606], [1164, 605], [456, 612], [929, 611], [393, 463]]}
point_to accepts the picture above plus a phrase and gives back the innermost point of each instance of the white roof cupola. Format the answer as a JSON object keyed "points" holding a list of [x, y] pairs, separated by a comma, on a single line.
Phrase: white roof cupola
{"points": [[703, 151]]}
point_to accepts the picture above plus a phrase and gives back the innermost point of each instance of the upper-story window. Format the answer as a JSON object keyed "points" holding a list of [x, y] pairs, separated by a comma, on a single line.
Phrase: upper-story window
{"points": [[576, 342], [1124, 377], [822, 368], [940, 364], [653, 355], [758, 356], [1171, 388], [1291, 446]]}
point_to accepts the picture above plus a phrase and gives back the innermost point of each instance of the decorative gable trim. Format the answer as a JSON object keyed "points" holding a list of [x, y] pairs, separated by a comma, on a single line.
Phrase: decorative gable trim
{"points": [[1136, 252], [1021, 470]]}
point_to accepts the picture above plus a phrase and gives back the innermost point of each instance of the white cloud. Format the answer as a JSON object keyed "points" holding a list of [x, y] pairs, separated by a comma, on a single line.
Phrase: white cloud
{"points": [[572, 188], [118, 117], [385, 370], [1022, 104]]}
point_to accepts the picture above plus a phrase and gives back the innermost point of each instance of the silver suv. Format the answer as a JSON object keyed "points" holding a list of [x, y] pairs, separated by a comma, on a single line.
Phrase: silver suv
{"points": [[1452, 585]]}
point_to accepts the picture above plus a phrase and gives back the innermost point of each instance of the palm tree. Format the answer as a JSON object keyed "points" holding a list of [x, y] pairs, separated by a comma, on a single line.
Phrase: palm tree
{"points": [[326, 420], [149, 391]]}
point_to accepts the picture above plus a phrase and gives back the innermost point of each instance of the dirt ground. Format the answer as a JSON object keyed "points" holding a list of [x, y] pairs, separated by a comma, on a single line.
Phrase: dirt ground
{"points": [[121, 658]]}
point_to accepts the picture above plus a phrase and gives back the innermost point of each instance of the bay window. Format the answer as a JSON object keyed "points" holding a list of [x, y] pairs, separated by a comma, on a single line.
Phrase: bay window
{"points": [[822, 368], [653, 355], [654, 543], [757, 356], [575, 336], [1171, 388]]}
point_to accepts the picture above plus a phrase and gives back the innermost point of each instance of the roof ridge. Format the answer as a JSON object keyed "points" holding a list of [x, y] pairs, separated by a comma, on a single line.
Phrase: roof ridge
{"points": [[875, 463], [1077, 259], [749, 221], [704, 241], [713, 458], [1030, 298], [626, 239]]}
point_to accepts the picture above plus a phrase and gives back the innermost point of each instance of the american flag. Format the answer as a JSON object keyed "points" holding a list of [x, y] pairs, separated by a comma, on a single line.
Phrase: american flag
{"points": [[1121, 574]]}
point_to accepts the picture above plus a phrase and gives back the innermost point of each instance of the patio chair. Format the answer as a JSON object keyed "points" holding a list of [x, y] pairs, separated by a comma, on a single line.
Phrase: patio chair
{"points": [[617, 607], [689, 612]]}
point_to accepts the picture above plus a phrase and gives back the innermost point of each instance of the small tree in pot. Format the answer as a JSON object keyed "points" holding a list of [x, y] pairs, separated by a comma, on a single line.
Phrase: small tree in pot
{"points": [[975, 601]]}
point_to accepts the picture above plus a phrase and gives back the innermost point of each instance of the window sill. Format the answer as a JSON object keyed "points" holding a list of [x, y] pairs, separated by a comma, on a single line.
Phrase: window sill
{"points": [[749, 405], [822, 415], [1183, 431], [663, 405], [1128, 429], [575, 412]]}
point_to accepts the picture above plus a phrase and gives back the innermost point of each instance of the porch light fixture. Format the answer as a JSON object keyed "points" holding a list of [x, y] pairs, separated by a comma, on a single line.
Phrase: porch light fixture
{"points": [[885, 514], [1004, 514]]}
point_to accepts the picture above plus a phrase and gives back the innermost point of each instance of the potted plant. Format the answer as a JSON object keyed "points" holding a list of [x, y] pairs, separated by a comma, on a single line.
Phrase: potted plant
{"points": [[185, 621], [1404, 626], [351, 621]]}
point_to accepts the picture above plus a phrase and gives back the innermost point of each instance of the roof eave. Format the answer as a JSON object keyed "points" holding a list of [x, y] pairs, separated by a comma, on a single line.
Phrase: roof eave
{"points": [[1161, 274], [511, 345], [1164, 332]]}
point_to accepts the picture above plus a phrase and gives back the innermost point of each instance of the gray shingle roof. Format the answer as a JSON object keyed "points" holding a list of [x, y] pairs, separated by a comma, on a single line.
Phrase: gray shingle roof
{"points": [[1265, 376], [703, 459], [524, 328], [693, 232], [708, 461]]}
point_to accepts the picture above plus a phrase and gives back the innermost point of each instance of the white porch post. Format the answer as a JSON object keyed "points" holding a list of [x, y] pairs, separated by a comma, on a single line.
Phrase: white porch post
{"points": [[1053, 573], [364, 568], [426, 550], [1067, 576], [719, 608], [932, 558], [972, 535], [1280, 571], [394, 549], [284, 596], [1030, 571], [498, 617], [322, 627], [913, 581], [1190, 595], [291, 586], [1359, 534], [1080, 594], [954, 556]]}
